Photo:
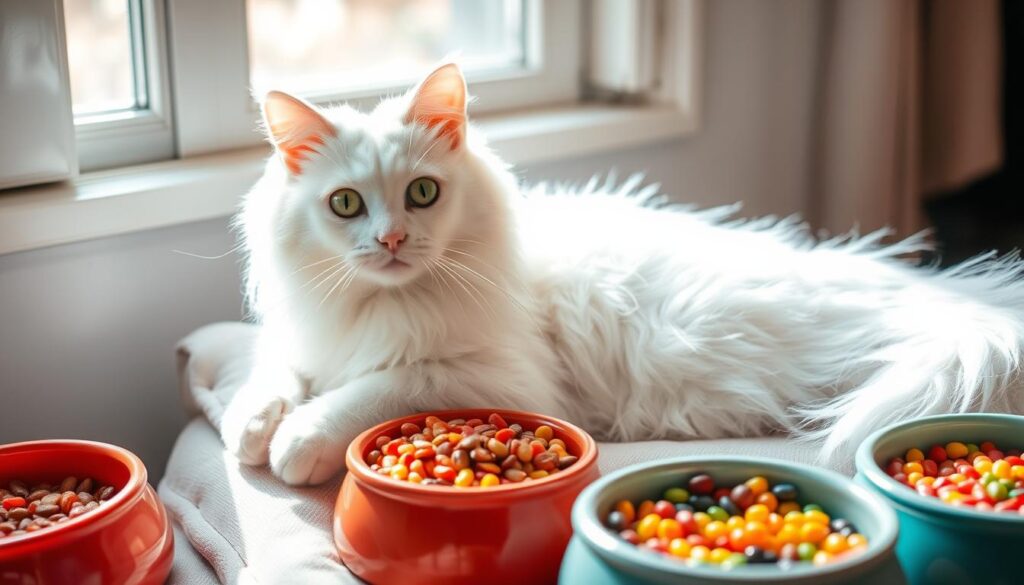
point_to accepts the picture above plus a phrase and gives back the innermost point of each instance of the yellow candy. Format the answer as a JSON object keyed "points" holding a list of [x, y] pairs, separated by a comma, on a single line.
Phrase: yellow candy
{"points": [[813, 532], [414, 477], [735, 522], [1001, 469], [913, 467], [648, 526], [1017, 471], [719, 554], [822, 558], [957, 477], [951, 496], [856, 540], [775, 523], [956, 450], [757, 513], [789, 534], [757, 484], [835, 543], [669, 529], [715, 529], [490, 480], [817, 516], [983, 464], [926, 480], [544, 432], [914, 477], [679, 547], [796, 518], [399, 472], [702, 519], [537, 474], [700, 553], [464, 478], [914, 455]]}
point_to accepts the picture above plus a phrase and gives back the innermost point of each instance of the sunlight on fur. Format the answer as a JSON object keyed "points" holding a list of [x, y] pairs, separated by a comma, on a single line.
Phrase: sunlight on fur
{"points": [[602, 305]]}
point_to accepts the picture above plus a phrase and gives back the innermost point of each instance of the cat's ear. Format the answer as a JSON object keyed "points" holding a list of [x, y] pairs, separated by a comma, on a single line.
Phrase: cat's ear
{"points": [[295, 127], [440, 102]]}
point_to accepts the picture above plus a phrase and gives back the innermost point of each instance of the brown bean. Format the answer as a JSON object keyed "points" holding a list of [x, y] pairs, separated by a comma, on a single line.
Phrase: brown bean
{"points": [[524, 452], [470, 442], [498, 448], [85, 485], [18, 488], [58, 518], [8, 527], [461, 459], [68, 484], [371, 458], [17, 514], [489, 468], [481, 455], [41, 522], [3, 514], [515, 475], [566, 461], [47, 510], [92, 505], [481, 429], [51, 498], [382, 440], [105, 493], [456, 422], [510, 462], [24, 523], [37, 495], [409, 429], [77, 511], [446, 449]]}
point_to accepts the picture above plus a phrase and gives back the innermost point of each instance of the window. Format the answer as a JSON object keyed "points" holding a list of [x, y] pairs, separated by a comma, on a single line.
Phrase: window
{"points": [[118, 81], [516, 53], [322, 48]]}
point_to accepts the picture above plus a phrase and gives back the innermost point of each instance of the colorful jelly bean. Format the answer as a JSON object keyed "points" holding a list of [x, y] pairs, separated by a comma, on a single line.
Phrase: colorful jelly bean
{"points": [[749, 523], [474, 453], [981, 476]]}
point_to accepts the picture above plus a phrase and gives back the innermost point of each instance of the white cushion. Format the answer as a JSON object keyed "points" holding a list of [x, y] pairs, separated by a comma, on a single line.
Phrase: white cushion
{"points": [[251, 528]]}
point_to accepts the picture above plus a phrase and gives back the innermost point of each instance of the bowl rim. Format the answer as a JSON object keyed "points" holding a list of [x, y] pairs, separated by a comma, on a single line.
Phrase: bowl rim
{"points": [[359, 470], [619, 553], [901, 494], [13, 546]]}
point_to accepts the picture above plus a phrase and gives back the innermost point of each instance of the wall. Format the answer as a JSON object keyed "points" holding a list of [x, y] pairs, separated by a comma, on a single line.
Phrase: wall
{"points": [[87, 330]]}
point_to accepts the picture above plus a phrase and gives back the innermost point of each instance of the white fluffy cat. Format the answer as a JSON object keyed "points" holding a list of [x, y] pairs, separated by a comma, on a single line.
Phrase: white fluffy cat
{"points": [[397, 267]]}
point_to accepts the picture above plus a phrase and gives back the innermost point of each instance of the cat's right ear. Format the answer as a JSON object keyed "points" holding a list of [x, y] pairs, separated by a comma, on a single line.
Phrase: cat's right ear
{"points": [[295, 127]]}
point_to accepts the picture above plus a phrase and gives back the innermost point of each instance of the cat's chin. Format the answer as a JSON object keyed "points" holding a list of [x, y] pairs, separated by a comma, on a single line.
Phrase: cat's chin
{"points": [[392, 273]]}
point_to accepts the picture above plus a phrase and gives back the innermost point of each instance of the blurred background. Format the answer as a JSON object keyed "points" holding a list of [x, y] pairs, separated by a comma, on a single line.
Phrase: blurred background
{"points": [[852, 113]]}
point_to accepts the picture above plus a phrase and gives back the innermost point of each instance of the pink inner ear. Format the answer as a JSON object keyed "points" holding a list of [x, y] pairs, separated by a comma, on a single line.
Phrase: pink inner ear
{"points": [[440, 102], [296, 128]]}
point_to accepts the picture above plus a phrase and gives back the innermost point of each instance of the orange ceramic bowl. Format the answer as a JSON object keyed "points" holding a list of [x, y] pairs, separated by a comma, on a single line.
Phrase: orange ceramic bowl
{"points": [[390, 531], [126, 540]]}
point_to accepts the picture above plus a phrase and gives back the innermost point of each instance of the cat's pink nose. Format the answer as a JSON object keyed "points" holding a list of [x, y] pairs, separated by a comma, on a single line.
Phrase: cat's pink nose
{"points": [[392, 240]]}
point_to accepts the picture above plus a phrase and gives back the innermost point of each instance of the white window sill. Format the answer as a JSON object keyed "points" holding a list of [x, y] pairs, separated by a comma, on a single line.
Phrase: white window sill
{"points": [[156, 195]]}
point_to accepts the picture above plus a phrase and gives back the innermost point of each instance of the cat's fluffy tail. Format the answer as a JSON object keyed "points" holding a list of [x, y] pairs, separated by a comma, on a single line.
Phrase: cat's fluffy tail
{"points": [[952, 341]]}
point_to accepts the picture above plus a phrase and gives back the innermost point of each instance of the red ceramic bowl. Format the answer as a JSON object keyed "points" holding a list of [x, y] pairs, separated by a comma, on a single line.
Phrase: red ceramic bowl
{"points": [[389, 531], [126, 540]]}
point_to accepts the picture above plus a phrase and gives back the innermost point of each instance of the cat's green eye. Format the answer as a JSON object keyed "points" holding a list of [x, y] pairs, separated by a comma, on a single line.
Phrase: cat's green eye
{"points": [[346, 203], [422, 192]]}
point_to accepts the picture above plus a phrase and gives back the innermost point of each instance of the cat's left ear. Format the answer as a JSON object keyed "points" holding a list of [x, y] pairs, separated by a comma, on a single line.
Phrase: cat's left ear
{"points": [[440, 102], [296, 128]]}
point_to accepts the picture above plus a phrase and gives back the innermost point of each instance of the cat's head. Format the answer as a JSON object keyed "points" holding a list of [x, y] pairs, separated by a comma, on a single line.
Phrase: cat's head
{"points": [[388, 191]]}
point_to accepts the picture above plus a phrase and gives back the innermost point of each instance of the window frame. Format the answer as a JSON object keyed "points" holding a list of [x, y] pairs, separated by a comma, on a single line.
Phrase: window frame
{"points": [[215, 111], [128, 137]]}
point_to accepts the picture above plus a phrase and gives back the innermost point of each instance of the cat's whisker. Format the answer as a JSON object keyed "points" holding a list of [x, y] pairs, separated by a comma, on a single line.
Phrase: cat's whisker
{"points": [[433, 143], [509, 296], [454, 267], [468, 286], [445, 282], [342, 279], [318, 262]]}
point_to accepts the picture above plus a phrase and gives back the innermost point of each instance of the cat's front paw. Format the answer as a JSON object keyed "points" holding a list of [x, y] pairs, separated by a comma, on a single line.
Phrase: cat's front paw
{"points": [[306, 449], [250, 423]]}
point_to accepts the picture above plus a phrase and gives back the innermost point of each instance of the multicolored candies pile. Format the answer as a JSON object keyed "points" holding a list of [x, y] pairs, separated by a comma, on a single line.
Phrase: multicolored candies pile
{"points": [[753, 522], [964, 474], [469, 453]]}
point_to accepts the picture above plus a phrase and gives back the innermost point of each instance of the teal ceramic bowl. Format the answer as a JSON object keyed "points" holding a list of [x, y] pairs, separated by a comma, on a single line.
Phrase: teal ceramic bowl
{"points": [[941, 544], [597, 556]]}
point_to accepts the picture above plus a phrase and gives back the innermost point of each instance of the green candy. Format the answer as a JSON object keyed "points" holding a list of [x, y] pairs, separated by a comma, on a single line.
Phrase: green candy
{"points": [[718, 513], [806, 551], [677, 495], [997, 491], [810, 507]]}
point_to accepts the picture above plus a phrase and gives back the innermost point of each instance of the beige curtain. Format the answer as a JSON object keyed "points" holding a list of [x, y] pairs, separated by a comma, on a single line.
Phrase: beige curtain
{"points": [[909, 105]]}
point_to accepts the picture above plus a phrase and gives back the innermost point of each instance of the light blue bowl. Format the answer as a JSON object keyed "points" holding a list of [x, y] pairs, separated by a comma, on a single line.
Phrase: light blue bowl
{"points": [[940, 544], [597, 556]]}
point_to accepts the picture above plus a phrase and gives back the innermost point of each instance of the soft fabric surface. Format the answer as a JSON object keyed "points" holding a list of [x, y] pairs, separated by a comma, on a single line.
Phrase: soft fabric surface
{"points": [[249, 527]]}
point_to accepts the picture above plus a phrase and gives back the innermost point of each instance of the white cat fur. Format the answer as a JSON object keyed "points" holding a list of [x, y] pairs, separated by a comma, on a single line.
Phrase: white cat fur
{"points": [[634, 319]]}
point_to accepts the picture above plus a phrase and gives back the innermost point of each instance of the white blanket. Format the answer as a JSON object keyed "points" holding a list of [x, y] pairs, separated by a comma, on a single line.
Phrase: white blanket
{"points": [[251, 528]]}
